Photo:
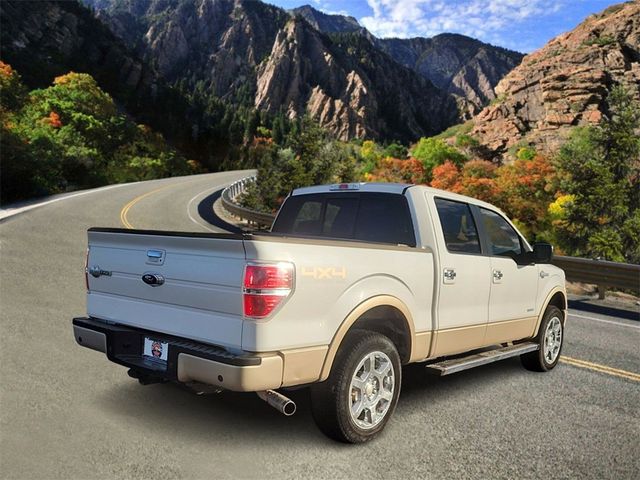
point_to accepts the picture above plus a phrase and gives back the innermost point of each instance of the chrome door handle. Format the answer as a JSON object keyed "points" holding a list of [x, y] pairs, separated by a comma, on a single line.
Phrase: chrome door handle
{"points": [[497, 274], [543, 274], [449, 275]]}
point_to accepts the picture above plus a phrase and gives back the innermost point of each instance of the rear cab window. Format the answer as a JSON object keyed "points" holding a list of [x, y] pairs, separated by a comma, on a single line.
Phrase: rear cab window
{"points": [[364, 216]]}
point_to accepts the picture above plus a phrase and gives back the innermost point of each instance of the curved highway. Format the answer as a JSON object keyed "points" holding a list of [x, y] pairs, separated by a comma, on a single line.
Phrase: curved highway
{"points": [[66, 412]]}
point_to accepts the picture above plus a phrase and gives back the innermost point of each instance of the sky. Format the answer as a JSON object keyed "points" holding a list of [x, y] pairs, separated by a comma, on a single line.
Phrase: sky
{"points": [[522, 25]]}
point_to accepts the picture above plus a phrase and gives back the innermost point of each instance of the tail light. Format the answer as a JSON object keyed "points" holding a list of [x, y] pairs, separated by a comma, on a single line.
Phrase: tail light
{"points": [[265, 287], [86, 270]]}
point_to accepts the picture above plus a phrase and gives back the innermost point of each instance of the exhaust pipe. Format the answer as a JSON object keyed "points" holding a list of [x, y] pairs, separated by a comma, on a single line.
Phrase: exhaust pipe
{"points": [[284, 405]]}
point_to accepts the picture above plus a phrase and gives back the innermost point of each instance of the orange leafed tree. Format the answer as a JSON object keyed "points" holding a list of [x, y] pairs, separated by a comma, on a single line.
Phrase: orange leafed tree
{"points": [[391, 169]]}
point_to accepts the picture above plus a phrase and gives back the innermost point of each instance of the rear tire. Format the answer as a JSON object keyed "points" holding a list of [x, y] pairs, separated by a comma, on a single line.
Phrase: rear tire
{"points": [[355, 403], [550, 339]]}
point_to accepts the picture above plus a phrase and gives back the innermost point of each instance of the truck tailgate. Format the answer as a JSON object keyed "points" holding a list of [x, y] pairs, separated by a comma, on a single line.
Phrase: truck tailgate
{"points": [[200, 295]]}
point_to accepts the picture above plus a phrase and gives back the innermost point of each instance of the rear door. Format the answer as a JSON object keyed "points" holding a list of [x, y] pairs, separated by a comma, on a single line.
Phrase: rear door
{"points": [[464, 280], [182, 284], [513, 287]]}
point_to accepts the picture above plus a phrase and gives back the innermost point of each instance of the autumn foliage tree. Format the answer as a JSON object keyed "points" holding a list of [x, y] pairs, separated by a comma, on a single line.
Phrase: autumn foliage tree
{"points": [[71, 135]]}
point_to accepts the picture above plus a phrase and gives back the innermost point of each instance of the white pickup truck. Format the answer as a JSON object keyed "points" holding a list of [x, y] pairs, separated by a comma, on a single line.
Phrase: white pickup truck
{"points": [[352, 282]]}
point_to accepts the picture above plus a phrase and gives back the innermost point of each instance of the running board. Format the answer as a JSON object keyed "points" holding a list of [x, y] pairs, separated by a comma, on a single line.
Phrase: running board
{"points": [[454, 365]]}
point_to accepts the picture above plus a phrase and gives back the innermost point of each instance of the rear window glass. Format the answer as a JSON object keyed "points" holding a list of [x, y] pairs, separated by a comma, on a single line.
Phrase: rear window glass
{"points": [[369, 217]]}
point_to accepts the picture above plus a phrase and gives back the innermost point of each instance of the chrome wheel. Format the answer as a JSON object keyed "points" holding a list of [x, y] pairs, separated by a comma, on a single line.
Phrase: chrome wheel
{"points": [[371, 390], [552, 340]]}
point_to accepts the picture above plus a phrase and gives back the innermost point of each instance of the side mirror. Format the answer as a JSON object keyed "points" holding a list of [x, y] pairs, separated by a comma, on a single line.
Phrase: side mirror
{"points": [[542, 252]]}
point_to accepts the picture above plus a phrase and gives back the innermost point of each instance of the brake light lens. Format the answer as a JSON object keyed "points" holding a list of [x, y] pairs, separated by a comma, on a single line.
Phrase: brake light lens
{"points": [[265, 287]]}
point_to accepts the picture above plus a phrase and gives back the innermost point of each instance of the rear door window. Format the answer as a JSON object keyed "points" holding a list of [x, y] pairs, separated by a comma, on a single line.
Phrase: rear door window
{"points": [[369, 217], [459, 229]]}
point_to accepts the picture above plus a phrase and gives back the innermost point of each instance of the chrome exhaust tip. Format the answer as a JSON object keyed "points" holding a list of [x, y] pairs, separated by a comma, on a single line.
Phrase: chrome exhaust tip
{"points": [[284, 405]]}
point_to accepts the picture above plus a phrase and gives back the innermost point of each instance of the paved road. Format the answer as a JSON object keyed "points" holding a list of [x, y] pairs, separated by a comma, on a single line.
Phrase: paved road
{"points": [[68, 413]]}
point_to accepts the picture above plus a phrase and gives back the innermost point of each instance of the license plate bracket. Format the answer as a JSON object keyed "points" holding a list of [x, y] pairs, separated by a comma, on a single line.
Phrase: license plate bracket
{"points": [[155, 350]]}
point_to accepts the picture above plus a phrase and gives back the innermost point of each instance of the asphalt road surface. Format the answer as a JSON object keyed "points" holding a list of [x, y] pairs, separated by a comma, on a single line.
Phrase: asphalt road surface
{"points": [[66, 412]]}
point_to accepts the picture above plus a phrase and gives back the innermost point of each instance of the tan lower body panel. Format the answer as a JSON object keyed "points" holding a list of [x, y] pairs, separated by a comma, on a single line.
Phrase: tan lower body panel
{"points": [[421, 346], [507, 331], [302, 365], [267, 375], [458, 340]]}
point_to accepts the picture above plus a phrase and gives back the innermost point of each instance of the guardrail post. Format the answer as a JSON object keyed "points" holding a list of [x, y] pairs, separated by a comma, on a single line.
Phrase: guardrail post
{"points": [[602, 290]]}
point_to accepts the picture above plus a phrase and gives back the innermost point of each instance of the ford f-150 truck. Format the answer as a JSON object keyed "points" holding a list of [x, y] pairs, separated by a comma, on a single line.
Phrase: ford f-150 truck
{"points": [[352, 282]]}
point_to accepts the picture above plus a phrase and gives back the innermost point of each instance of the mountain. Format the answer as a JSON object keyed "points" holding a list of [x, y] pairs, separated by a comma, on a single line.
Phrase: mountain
{"points": [[564, 84], [328, 23], [46, 39], [459, 65], [349, 86], [195, 69], [255, 54]]}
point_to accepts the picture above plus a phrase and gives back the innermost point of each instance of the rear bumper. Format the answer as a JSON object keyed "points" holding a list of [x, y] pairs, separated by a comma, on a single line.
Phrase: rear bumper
{"points": [[187, 361]]}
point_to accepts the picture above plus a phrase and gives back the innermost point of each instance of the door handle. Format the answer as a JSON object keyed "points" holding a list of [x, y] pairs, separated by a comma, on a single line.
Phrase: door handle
{"points": [[497, 274], [543, 274], [449, 275]]}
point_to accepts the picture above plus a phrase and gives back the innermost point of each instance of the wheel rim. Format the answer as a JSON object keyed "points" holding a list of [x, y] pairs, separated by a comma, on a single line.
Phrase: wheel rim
{"points": [[552, 340], [371, 390]]}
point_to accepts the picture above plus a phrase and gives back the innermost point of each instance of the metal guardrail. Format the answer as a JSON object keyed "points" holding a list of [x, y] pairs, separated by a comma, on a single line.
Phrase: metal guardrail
{"points": [[602, 273], [229, 196]]}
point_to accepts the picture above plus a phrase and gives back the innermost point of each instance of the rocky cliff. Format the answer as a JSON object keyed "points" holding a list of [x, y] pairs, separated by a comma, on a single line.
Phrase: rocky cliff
{"points": [[565, 83], [46, 39], [254, 54], [459, 65], [349, 86]]}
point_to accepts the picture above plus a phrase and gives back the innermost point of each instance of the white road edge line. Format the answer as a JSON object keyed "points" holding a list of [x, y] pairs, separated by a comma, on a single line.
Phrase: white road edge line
{"points": [[10, 212], [604, 321], [208, 190]]}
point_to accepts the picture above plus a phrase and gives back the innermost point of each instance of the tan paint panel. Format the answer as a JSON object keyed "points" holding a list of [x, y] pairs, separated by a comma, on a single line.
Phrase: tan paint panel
{"points": [[421, 346], [458, 340], [267, 375], [356, 313], [302, 365], [510, 330]]}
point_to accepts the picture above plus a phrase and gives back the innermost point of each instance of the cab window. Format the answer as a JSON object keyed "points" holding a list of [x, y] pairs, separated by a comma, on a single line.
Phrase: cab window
{"points": [[458, 226], [503, 239]]}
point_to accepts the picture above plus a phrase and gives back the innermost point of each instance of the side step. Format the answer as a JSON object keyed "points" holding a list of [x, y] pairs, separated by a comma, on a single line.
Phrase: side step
{"points": [[454, 365]]}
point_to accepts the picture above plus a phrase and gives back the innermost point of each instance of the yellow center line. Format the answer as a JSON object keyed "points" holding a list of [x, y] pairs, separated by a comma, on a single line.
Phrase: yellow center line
{"points": [[127, 207], [596, 367]]}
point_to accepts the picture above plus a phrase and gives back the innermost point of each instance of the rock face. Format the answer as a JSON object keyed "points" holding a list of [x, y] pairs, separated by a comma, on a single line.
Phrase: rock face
{"points": [[45, 39], [254, 54], [565, 83], [459, 65], [306, 71], [328, 23]]}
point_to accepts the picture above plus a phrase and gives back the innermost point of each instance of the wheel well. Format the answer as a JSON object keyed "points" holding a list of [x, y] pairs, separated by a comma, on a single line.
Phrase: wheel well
{"points": [[390, 322], [558, 300]]}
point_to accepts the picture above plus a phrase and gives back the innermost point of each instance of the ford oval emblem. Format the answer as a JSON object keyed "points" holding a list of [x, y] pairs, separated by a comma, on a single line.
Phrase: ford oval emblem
{"points": [[153, 279]]}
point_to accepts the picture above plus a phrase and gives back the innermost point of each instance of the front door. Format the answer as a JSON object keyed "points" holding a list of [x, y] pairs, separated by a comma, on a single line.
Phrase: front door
{"points": [[514, 287], [464, 280]]}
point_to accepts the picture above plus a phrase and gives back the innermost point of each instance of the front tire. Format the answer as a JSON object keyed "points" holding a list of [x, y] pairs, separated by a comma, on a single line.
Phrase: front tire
{"points": [[550, 339], [355, 403]]}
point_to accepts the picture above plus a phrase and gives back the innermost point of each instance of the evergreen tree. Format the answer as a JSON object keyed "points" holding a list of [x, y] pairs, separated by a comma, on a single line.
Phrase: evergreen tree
{"points": [[600, 167]]}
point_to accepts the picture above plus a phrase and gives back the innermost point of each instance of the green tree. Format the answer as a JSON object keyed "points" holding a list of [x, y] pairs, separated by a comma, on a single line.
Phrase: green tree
{"points": [[599, 167], [433, 152]]}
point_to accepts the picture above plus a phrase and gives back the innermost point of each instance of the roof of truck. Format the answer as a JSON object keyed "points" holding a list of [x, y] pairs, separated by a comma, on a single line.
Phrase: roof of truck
{"points": [[355, 186], [382, 187]]}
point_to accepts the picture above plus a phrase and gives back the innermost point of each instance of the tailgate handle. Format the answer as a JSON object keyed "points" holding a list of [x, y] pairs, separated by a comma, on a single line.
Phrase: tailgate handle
{"points": [[155, 257], [153, 279]]}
